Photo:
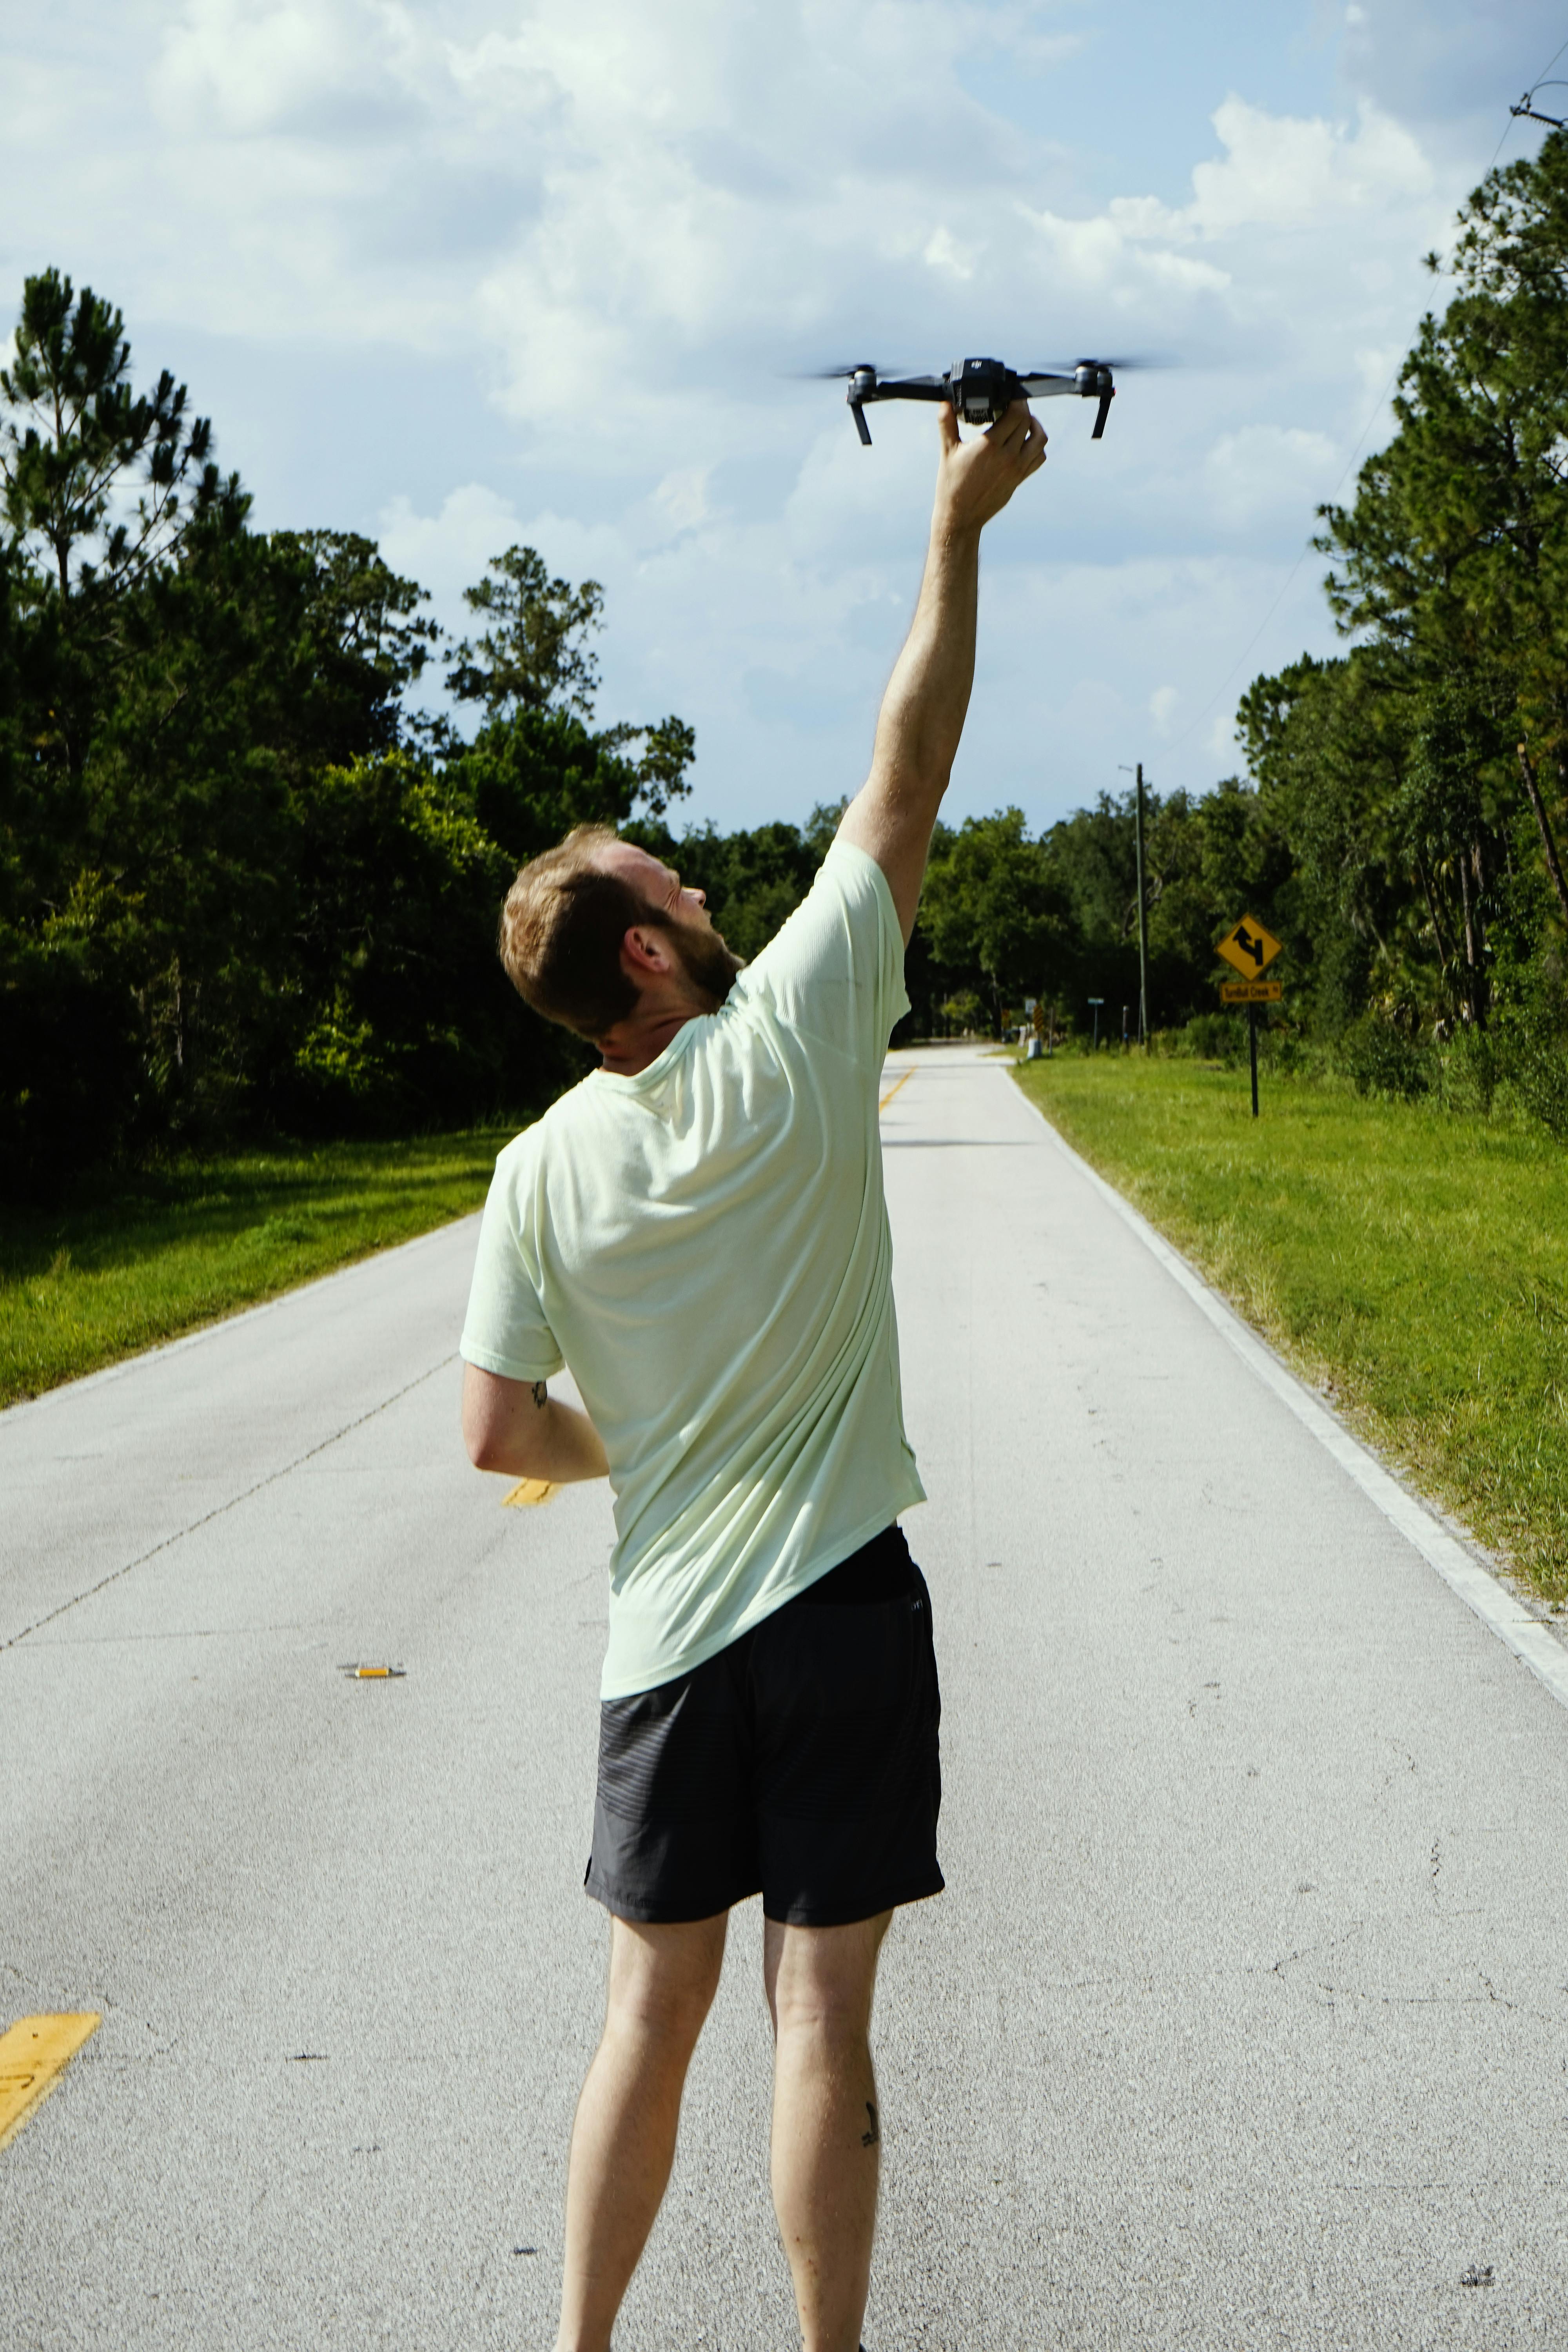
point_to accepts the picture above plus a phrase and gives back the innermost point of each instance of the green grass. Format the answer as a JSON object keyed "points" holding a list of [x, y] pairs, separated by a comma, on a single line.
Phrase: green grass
{"points": [[129, 1263], [1411, 1263]]}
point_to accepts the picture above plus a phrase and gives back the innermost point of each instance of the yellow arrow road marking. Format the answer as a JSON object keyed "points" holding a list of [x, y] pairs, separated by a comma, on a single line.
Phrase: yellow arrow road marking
{"points": [[892, 1090], [33, 2055]]}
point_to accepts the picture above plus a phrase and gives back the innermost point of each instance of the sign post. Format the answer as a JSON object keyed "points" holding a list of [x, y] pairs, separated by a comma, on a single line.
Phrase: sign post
{"points": [[1097, 1001], [1249, 947]]}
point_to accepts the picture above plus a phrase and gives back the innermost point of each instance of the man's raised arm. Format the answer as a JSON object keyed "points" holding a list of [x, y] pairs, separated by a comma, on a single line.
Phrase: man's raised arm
{"points": [[892, 816]]}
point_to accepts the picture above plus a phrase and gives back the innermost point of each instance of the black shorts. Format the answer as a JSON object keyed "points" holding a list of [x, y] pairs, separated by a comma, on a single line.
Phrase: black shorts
{"points": [[801, 1763]]}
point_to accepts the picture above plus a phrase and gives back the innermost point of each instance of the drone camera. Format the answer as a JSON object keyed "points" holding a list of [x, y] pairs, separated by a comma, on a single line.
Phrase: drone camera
{"points": [[982, 390]]}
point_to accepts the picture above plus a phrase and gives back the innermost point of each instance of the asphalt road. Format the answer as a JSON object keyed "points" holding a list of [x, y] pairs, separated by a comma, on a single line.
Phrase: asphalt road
{"points": [[1243, 2022]]}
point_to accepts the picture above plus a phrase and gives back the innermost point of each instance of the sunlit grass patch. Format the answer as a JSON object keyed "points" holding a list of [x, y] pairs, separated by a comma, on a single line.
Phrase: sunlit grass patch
{"points": [[129, 1263], [1412, 1262]]}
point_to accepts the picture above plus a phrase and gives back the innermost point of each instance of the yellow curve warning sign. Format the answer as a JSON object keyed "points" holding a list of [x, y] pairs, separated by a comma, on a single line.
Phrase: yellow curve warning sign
{"points": [[1249, 947]]}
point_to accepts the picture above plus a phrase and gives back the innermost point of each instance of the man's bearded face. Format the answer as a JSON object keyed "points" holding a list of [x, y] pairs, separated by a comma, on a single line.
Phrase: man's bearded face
{"points": [[708, 963]]}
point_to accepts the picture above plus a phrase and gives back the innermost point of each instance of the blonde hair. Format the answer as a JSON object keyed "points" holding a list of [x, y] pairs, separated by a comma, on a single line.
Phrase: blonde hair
{"points": [[561, 932]]}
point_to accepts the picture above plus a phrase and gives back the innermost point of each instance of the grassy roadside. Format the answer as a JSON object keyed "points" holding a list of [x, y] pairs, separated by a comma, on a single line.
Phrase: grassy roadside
{"points": [[1411, 1263], [129, 1263]]}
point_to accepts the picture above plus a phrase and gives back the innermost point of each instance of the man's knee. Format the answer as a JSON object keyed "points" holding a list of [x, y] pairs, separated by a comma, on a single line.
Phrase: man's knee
{"points": [[821, 1979], [663, 1979]]}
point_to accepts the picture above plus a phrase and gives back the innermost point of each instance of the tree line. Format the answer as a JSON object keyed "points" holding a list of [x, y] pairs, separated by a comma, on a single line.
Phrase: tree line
{"points": [[248, 887], [245, 886]]}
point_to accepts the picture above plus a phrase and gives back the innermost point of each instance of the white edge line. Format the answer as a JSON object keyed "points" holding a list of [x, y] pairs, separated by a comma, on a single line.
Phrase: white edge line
{"points": [[1533, 1643]]}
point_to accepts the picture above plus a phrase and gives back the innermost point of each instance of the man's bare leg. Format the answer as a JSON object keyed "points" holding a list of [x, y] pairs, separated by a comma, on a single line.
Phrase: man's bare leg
{"points": [[826, 2136], [662, 1982]]}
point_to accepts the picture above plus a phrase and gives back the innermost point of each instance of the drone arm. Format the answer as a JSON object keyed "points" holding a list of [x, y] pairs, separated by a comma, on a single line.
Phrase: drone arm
{"points": [[913, 387]]}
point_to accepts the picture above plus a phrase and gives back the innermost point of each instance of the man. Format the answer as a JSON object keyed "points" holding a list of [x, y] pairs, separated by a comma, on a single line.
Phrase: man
{"points": [[697, 1230]]}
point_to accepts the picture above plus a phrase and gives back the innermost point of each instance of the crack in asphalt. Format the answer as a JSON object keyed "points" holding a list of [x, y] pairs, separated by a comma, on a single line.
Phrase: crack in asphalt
{"points": [[178, 1535]]}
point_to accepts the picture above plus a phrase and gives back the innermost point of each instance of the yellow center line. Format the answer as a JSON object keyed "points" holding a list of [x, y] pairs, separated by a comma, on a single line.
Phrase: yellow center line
{"points": [[892, 1090], [529, 1490], [34, 2053]]}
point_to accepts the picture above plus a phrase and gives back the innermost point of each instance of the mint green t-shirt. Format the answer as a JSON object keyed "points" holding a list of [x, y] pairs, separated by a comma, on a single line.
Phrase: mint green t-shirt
{"points": [[706, 1247]]}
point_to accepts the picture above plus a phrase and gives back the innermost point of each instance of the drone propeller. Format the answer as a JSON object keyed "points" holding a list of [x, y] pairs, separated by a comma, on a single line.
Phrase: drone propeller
{"points": [[1135, 360]]}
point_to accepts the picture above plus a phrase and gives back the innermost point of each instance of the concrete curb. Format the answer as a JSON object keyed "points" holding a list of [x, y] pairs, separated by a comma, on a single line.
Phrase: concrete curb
{"points": [[1532, 1641]]}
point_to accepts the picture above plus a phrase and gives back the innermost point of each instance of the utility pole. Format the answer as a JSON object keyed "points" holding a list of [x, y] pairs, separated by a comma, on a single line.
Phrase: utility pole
{"points": [[1142, 912], [1142, 928]]}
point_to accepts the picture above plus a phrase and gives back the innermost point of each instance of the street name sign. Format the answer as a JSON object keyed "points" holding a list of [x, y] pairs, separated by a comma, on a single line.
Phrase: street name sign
{"points": [[1249, 947], [1251, 991]]}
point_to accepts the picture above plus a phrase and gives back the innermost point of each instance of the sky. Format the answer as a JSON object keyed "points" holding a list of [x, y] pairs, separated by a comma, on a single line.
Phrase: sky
{"points": [[469, 273]]}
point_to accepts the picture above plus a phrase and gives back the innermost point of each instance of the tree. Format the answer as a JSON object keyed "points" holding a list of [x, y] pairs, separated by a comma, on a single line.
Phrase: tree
{"points": [[405, 1010], [78, 443], [356, 637], [533, 657], [1208, 860], [531, 666], [996, 903], [1453, 562]]}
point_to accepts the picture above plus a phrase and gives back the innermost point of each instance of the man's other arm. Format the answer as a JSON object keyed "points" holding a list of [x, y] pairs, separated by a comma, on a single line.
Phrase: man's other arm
{"points": [[892, 816], [517, 1427]]}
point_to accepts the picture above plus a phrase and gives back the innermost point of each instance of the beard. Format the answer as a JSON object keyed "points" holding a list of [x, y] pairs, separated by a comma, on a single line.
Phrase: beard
{"points": [[708, 963]]}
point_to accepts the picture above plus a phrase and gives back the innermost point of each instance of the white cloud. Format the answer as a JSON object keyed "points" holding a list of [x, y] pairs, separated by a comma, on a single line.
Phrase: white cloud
{"points": [[602, 234], [448, 552], [229, 67], [682, 496], [1280, 173], [943, 251], [1265, 468]]}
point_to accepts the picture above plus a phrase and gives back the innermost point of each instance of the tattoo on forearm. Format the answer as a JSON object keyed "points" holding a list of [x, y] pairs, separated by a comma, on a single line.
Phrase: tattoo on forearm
{"points": [[541, 1395], [870, 2138]]}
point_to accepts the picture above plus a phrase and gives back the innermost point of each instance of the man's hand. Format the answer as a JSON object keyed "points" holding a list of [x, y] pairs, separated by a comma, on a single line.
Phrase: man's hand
{"points": [[517, 1427], [924, 710], [975, 480]]}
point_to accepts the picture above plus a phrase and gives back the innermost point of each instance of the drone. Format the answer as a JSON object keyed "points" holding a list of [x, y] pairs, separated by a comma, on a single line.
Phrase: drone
{"points": [[980, 389]]}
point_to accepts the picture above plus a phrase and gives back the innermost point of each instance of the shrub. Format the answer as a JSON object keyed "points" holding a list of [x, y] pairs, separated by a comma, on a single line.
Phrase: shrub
{"points": [[1379, 1059]]}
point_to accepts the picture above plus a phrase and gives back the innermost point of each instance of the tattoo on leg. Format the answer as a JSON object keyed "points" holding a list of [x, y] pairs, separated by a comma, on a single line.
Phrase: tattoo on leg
{"points": [[541, 1395], [870, 2138]]}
